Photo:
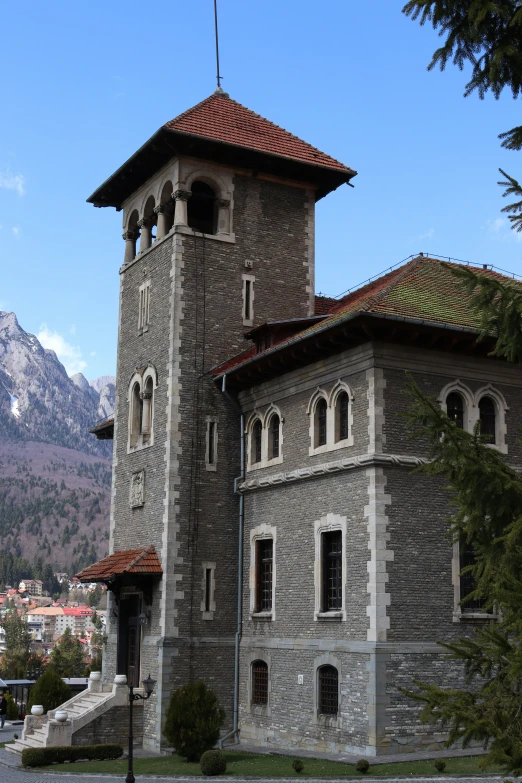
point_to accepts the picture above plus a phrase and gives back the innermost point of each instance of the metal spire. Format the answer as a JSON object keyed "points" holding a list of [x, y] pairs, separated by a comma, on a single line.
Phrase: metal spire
{"points": [[218, 75]]}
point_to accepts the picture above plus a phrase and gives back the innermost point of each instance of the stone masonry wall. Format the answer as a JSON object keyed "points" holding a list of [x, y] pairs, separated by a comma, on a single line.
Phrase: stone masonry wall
{"points": [[112, 727]]}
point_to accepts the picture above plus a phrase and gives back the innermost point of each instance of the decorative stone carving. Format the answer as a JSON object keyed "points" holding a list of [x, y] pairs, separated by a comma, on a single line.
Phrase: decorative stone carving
{"points": [[182, 195], [223, 203], [137, 489]]}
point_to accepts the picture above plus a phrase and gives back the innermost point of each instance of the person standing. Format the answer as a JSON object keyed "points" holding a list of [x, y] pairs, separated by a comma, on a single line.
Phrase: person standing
{"points": [[3, 710]]}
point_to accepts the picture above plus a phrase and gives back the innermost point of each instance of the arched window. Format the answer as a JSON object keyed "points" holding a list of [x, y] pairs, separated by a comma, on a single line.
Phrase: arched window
{"points": [[320, 422], [455, 409], [136, 414], [201, 209], [328, 687], [257, 438], [487, 418], [147, 408], [341, 416], [259, 682], [273, 437]]}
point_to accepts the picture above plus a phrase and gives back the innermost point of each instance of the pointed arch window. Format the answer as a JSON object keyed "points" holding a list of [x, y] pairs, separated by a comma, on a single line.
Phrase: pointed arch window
{"points": [[342, 413], [487, 419], [135, 414], [257, 441], [320, 422], [141, 408], [455, 409], [273, 437]]}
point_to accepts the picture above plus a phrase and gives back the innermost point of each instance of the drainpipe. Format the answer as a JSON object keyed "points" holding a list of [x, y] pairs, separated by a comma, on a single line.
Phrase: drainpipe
{"points": [[235, 730]]}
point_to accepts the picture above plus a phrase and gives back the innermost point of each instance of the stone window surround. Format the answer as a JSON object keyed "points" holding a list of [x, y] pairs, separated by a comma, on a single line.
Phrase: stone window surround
{"points": [[164, 199], [328, 524], [265, 420], [258, 533], [141, 377], [211, 466], [144, 307], [472, 413], [208, 566], [252, 279], [258, 709], [330, 721], [458, 615], [331, 414]]}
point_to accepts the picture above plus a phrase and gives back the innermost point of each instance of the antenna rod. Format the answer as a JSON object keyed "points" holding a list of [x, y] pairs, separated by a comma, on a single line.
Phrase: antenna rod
{"points": [[219, 77]]}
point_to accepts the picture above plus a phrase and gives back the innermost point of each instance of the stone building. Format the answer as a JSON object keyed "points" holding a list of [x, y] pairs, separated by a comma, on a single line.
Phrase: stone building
{"points": [[261, 455]]}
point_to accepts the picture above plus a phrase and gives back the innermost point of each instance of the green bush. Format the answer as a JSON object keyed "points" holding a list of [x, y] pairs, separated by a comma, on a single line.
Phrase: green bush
{"points": [[362, 765], [42, 757], [193, 720], [49, 690], [12, 707], [297, 765], [213, 762], [440, 765]]}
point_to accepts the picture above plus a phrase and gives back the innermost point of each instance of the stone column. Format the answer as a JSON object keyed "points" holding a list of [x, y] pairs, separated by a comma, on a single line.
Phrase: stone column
{"points": [[180, 214], [163, 211], [146, 396], [130, 238], [223, 222], [146, 233]]}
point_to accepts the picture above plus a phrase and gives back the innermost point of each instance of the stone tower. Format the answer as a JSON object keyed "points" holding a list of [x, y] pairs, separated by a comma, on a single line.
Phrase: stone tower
{"points": [[222, 203]]}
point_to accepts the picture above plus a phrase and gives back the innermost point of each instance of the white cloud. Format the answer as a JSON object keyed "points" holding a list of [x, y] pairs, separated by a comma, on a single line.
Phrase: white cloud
{"points": [[13, 182], [500, 230], [69, 355], [16, 231], [93, 353], [427, 234]]}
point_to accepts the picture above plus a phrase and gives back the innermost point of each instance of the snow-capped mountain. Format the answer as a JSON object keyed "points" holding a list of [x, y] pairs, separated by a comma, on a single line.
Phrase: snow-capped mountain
{"points": [[38, 400]]}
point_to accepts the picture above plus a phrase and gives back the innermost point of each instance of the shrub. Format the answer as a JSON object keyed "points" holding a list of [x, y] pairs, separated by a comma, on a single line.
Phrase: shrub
{"points": [[49, 690], [193, 720], [440, 765], [213, 762], [12, 707], [297, 765], [41, 757], [362, 765], [15, 736]]}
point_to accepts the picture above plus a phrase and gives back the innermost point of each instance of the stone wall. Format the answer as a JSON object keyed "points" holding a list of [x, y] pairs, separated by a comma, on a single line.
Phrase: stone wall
{"points": [[112, 727]]}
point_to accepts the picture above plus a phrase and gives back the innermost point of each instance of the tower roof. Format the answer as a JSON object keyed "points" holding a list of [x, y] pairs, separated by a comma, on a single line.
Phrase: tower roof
{"points": [[224, 131]]}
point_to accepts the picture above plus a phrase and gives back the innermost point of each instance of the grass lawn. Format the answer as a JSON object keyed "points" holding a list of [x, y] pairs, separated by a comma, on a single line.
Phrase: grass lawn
{"points": [[243, 764]]}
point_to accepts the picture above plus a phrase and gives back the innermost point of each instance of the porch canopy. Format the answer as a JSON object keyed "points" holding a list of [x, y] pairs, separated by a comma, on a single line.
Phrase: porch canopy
{"points": [[125, 568]]}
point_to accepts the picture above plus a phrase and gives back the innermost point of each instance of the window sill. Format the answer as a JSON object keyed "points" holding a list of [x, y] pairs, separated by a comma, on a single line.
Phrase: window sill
{"points": [[340, 444], [230, 238], [462, 617], [139, 447], [262, 616], [332, 721], [336, 617]]}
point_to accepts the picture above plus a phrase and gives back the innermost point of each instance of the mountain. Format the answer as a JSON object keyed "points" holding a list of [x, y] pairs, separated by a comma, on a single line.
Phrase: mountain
{"points": [[54, 476], [38, 400]]}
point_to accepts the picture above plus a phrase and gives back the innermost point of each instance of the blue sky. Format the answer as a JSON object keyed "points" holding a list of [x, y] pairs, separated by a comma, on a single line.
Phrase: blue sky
{"points": [[89, 82]]}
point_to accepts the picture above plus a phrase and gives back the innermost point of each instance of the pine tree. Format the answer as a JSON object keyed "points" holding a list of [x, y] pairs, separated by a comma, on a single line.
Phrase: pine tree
{"points": [[18, 646], [67, 656], [487, 496], [49, 690], [193, 720], [487, 34]]}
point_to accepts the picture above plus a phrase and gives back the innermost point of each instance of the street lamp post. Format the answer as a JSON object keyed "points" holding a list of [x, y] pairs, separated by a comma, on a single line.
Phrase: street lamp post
{"points": [[148, 684]]}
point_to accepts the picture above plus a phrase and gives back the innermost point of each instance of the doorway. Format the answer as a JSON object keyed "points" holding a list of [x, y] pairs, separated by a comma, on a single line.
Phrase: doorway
{"points": [[129, 638]]}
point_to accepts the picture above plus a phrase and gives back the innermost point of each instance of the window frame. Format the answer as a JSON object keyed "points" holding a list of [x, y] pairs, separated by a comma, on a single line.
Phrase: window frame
{"points": [[262, 533], [333, 441], [207, 611], [144, 307], [266, 439], [248, 297], [146, 381], [458, 614], [211, 443], [320, 718], [329, 523], [472, 411], [255, 687]]}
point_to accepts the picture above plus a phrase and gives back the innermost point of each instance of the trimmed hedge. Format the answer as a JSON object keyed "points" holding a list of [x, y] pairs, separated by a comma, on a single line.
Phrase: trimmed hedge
{"points": [[42, 757], [213, 762]]}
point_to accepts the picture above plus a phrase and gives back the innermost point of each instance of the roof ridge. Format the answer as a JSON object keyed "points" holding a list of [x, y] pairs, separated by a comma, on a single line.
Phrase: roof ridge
{"points": [[402, 273], [141, 554]]}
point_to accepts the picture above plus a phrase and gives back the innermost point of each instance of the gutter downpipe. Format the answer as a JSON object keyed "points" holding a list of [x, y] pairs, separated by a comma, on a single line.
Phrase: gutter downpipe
{"points": [[239, 629]]}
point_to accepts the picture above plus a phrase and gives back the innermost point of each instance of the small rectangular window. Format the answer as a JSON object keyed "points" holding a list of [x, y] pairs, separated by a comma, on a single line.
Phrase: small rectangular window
{"points": [[248, 299], [467, 582], [208, 588], [211, 444], [144, 306], [264, 563], [332, 571]]}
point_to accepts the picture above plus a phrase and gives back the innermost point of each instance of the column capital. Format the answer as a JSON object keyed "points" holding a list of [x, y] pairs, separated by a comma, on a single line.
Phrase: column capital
{"points": [[182, 195], [223, 203], [129, 236], [163, 209], [146, 395], [145, 222]]}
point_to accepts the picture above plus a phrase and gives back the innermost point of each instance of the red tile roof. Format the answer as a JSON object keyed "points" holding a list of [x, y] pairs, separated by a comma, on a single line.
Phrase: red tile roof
{"points": [[324, 304], [220, 118], [143, 561], [424, 289]]}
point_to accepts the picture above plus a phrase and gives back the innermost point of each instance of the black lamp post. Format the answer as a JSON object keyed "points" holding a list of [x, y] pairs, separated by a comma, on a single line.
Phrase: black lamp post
{"points": [[148, 684]]}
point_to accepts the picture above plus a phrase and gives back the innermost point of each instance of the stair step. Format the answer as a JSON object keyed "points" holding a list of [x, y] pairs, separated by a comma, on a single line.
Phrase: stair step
{"points": [[37, 734], [14, 748], [28, 742]]}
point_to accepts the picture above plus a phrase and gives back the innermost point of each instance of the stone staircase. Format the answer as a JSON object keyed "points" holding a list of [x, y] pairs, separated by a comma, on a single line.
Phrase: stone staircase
{"points": [[45, 731]]}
